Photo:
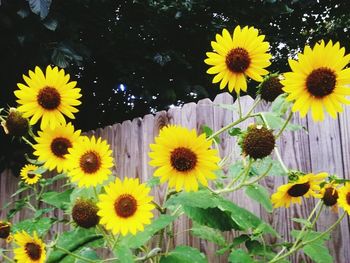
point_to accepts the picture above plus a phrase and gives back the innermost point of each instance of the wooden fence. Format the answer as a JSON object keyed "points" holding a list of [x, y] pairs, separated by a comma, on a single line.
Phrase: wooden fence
{"points": [[326, 147]]}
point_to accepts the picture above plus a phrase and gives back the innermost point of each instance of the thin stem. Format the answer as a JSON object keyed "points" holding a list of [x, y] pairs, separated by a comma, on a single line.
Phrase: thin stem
{"points": [[260, 176], [241, 183], [95, 192], [301, 233], [75, 255], [7, 258], [31, 206], [302, 244], [239, 105], [285, 124], [241, 119], [279, 158], [27, 141]]}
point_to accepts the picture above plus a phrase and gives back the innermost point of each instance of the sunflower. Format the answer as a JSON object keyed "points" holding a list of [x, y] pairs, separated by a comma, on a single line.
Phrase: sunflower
{"points": [[237, 56], [126, 206], [27, 174], [5, 231], [48, 96], [30, 250], [183, 158], [53, 144], [344, 197], [306, 186], [89, 161], [329, 194], [318, 80]]}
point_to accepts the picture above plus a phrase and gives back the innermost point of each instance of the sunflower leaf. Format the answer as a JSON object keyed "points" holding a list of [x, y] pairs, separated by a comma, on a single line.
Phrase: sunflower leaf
{"points": [[41, 226], [74, 241], [56, 199], [209, 234], [136, 241], [261, 195], [240, 256], [184, 254]]}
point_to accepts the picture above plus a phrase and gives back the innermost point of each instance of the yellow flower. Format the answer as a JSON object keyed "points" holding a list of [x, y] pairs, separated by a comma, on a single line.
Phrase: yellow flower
{"points": [[30, 250], [53, 144], [183, 158], [27, 176], [89, 161], [126, 206], [344, 197], [48, 96], [306, 186], [237, 56], [318, 80]]}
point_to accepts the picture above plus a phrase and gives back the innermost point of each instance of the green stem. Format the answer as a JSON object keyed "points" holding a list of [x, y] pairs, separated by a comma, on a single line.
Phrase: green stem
{"points": [[75, 255], [301, 233], [7, 258], [241, 183], [279, 158], [31, 206], [285, 124], [260, 176], [241, 119], [239, 105], [27, 141], [302, 244]]}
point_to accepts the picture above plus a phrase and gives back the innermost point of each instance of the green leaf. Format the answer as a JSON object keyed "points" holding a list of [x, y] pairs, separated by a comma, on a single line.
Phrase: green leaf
{"points": [[310, 235], [318, 252], [275, 122], [59, 200], [231, 107], [74, 241], [40, 212], [184, 254], [302, 221], [208, 132], [200, 199], [154, 181], [261, 195], [87, 253], [40, 7], [212, 217], [262, 165], [209, 234], [280, 105], [84, 193], [136, 241], [215, 211], [236, 242], [235, 169], [123, 253], [19, 204], [257, 249], [234, 131], [39, 170], [240, 256], [41, 226], [50, 181]]}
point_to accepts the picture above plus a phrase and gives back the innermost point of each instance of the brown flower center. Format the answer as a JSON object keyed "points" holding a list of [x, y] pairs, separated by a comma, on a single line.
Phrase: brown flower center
{"points": [[238, 60], [84, 214], [4, 230], [330, 196], [299, 189], [16, 125], [348, 198], [321, 82], [49, 98], [258, 142], [31, 175], [90, 162], [271, 89], [183, 159], [33, 250], [125, 206], [59, 146]]}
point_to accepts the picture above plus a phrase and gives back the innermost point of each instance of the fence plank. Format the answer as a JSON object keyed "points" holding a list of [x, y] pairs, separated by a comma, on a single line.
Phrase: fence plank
{"points": [[325, 148]]}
